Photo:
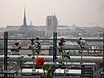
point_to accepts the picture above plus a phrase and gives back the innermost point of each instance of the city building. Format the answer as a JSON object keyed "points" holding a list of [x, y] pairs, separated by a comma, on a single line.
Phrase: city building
{"points": [[27, 31], [51, 23]]}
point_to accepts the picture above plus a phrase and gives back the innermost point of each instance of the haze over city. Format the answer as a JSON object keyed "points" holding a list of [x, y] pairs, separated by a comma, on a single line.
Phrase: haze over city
{"points": [[80, 12]]}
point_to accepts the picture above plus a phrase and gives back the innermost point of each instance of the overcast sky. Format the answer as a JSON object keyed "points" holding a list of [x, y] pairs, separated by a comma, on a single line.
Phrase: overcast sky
{"points": [[80, 12]]}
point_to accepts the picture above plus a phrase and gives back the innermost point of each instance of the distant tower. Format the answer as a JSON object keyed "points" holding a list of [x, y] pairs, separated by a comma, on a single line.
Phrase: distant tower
{"points": [[24, 27], [24, 20], [74, 26], [30, 23], [51, 23]]}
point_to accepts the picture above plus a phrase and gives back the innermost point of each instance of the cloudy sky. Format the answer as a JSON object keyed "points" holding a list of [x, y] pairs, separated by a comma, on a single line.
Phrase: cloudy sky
{"points": [[80, 12]]}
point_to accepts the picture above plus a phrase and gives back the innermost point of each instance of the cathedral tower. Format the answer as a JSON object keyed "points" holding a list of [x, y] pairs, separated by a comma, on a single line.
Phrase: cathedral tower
{"points": [[51, 23]]}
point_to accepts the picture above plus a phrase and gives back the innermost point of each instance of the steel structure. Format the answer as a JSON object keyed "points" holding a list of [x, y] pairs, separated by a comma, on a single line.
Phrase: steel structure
{"points": [[74, 59]]}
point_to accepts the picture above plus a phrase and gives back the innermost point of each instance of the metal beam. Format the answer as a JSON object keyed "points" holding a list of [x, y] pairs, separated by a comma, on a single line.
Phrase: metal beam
{"points": [[95, 59], [54, 46], [5, 51]]}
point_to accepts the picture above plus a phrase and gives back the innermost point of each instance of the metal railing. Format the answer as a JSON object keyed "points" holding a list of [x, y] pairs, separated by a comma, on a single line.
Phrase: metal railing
{"points": [[55, 48]]}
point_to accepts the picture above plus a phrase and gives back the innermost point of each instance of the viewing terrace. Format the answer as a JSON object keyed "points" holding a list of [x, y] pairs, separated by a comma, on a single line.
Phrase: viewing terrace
{"points": [[89, 64]]}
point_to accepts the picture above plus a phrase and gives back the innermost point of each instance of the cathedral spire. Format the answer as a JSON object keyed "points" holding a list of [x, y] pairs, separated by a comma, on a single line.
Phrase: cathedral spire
{"points": [[24, 20]]}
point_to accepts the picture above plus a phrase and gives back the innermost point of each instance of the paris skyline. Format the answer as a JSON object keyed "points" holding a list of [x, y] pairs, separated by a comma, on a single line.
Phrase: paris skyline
{"points": [[80, 12]]}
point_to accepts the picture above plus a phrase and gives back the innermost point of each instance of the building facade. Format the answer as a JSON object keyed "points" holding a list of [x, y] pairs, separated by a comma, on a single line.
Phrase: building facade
{"points": [[51, 23]]}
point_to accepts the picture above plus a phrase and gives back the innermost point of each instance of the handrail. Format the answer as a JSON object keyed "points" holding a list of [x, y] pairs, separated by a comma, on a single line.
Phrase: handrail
{"points": [[59, 39]]}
